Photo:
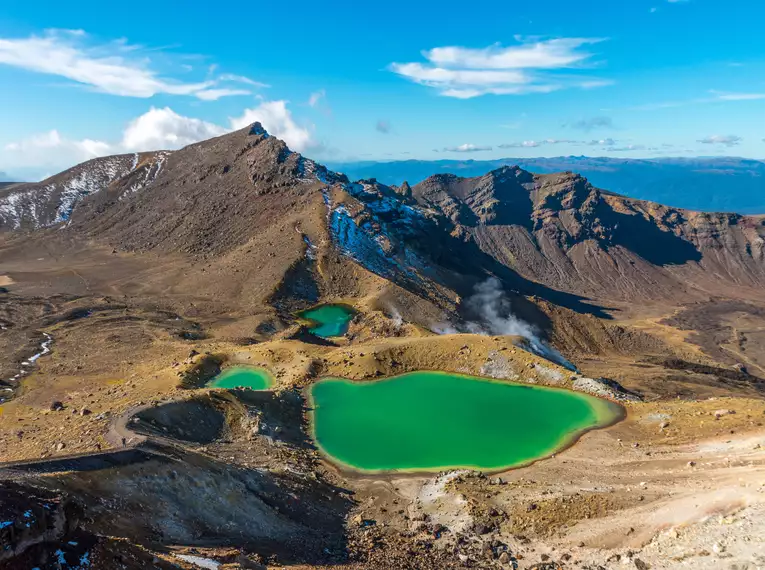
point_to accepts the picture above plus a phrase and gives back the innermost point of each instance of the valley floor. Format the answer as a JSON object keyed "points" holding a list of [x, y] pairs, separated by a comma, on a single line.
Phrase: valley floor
{"points": [[232, 476]]}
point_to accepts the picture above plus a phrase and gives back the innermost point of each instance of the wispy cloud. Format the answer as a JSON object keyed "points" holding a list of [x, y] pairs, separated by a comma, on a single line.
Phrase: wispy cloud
{"points": [[117, 67], [316, 97], [660, 105], [548, 54], [215, 94], [726, 140], [602, 142], [740, 96], [529, 67], [383, 127], [591, 124], [626, 148], [534, 144], [717, 96], [467, 148], [241, 79]]}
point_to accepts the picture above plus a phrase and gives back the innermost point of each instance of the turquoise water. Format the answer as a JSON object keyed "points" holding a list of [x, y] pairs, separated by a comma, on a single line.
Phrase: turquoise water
{"points": [[429, 421], [243, 377], [329, 320]]}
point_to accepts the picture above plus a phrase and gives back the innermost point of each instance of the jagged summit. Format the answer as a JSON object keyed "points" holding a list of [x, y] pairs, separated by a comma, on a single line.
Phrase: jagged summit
{"points": [[257, 129]]}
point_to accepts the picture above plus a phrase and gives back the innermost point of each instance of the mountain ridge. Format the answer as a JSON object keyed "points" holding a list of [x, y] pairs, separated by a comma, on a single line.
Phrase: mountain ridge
{"points": [[555, 235], [719, 183], [560, 230], [32, 205]]}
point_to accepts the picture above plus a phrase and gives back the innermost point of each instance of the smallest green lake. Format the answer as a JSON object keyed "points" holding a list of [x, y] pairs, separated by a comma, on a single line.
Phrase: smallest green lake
{"points": [[329, 320], [243, 377]]}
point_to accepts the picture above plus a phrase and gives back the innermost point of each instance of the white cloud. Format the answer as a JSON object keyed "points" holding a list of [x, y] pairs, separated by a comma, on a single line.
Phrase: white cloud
{"points": [[50, 149], [602, 142], [548, 54], [117, 68], [215, 94], [534, 144], [157, 129], [727, 140], [166, 129], [467, 148], [466, 72], [160, 129], [278, 121]]}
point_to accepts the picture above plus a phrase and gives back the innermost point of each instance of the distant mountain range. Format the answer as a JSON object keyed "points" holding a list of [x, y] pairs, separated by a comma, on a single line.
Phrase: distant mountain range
{"points": [[711, 184]]}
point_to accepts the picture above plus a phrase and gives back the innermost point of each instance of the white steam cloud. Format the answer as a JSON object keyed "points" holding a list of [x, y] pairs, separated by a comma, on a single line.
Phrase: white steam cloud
{"points": [[395, 316], [496, 318]]}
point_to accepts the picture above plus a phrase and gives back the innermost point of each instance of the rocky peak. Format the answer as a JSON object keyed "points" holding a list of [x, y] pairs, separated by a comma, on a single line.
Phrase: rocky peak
{"points": [[257, 129], [405, 191]]}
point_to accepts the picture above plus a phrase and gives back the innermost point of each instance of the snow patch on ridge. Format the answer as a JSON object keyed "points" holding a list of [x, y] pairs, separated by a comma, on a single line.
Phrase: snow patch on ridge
{"points": [[35, 206], [311, 171], [366, 242], [90, 181], [357, 244], [40, 205], [151, 172]]}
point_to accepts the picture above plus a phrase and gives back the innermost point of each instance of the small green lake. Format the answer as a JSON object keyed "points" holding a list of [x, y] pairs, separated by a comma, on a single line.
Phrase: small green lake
{"points": [[328, 320], [243, 377], [429, 421]]}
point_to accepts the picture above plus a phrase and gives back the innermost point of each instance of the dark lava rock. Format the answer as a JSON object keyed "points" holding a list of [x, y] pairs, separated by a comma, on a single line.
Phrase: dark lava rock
{"points": [[30, 516]]}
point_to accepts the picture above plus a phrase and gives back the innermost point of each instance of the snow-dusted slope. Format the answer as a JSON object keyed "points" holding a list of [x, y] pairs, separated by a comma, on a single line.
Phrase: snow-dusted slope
{"points": [[52, 201], [379, 227]]}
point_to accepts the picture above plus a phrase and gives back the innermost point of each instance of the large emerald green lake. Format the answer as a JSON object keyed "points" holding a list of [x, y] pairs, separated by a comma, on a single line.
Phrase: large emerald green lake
{"points": [[429, 421], [243, 377], [329, 320]]}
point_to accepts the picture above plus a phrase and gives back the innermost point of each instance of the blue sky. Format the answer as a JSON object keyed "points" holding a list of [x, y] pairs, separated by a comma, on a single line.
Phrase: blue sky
{"points": [[393, 80]]}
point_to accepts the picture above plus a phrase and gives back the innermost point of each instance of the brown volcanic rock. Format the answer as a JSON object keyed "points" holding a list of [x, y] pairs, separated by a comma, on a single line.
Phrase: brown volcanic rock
{"points": [[245, 200], [209, 198], [30, 206], [559, 230]]}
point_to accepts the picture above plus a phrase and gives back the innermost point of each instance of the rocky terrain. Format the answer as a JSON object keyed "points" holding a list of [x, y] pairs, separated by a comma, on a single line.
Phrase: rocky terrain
{"points": [[127, 282], [559, 230], [29, 206]]}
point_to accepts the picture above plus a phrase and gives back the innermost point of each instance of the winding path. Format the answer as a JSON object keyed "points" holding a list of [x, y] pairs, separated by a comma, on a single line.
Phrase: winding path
{"points": [[137, 449]]}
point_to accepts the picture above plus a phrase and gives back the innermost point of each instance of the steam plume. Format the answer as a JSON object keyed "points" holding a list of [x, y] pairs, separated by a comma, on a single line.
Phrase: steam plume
{"points": [[495, 317]]}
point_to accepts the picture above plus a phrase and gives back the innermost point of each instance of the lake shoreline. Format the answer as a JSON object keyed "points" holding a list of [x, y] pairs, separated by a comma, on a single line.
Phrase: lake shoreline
{"points": [[607, 413]]}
